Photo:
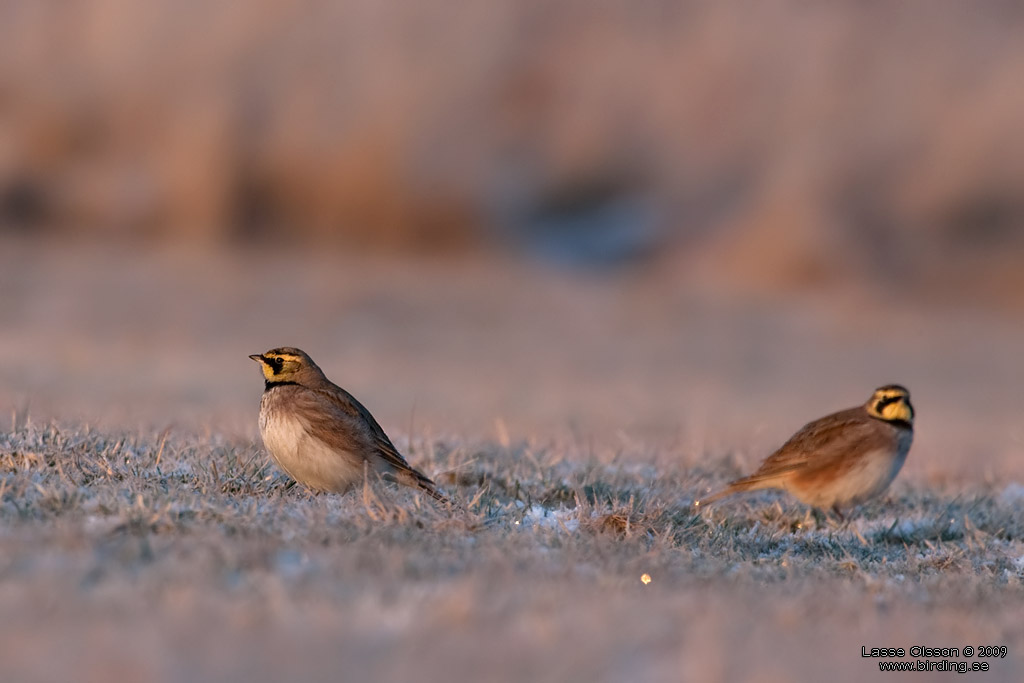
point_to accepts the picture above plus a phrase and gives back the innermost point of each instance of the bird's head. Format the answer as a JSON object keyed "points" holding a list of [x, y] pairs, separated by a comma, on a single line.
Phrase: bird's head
{"points": [[286, 364], [891, 403]]}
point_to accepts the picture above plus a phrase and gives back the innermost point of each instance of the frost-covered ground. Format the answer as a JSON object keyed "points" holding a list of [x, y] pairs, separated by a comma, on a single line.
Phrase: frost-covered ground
{"points": [[144, 537], [172, 557]]}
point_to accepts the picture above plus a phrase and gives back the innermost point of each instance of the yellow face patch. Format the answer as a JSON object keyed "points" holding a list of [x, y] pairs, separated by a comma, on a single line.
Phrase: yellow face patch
{"points": [[891, 405], [268, 371], [277, 366], [899, 410]]}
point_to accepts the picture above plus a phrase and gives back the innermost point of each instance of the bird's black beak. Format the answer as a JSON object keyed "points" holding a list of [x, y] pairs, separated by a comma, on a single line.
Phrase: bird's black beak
{"points": [[257, 357]]}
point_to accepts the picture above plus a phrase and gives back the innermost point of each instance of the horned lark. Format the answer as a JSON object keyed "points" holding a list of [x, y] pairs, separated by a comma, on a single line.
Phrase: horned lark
{"points": [[842, 459], [320, 434]]}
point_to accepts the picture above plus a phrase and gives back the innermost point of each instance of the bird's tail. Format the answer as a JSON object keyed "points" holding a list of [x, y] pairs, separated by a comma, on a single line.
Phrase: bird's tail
{"points": [[738, 486], [431, 489], [420, 481]]}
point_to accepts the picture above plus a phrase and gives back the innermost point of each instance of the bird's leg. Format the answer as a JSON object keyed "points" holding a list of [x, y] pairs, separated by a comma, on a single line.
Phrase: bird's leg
{"points": [[838, 513], [809, 514]]}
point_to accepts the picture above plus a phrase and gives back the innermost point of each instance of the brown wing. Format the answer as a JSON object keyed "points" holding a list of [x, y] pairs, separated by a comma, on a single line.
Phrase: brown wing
{"points": [[818, 445], [363, 433]]}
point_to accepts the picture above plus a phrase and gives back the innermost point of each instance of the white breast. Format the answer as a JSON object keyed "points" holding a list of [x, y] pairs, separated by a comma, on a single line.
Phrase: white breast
{"points": [[305, 458], [870, 477], [282, 436]]}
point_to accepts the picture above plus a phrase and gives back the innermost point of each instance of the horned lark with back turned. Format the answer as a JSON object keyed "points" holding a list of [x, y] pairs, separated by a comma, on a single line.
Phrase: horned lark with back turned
{"points": [[319, 434], [840, 460]]}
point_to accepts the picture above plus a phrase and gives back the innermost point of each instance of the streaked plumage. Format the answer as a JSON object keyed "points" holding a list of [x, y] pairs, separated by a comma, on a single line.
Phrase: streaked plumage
{"points": [[840, 460], [319, 434]]}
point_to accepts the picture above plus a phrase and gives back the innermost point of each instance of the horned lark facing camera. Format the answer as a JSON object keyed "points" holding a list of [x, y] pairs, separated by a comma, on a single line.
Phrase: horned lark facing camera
{"points": [[320, 434], [841, 460]]}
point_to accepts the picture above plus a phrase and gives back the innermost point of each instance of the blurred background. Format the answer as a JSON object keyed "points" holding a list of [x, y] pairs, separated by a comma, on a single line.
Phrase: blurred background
{"points": [[695, 224], [663, 235]]}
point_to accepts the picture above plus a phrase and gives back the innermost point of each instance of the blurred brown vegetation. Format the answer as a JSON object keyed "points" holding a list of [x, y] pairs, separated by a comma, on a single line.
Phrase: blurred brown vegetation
{"points": [[783, 142]]}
